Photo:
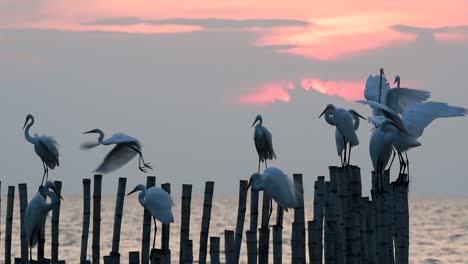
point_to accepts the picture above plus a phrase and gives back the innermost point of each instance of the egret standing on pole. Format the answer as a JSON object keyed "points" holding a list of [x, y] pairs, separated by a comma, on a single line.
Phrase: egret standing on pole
{"points": [[341, 142], [126, 148], [263, 142], [46, 148], [36, 213]]}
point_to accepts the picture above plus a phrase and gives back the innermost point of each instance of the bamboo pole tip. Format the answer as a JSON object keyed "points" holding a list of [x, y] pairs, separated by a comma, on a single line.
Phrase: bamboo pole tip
{"points": [[86, 180]]}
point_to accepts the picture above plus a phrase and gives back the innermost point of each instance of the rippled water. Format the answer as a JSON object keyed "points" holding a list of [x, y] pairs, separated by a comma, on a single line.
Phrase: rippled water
{"points": [[439, 229]]}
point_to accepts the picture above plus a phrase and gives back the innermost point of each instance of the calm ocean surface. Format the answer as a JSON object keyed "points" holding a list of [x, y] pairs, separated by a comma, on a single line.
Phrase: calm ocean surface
{"points": [[439, 228]]}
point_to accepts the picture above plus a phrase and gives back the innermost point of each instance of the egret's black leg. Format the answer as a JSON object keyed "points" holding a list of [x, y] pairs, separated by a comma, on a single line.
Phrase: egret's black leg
{"points": [[345, 150], [394, 154], [407, 164], [271, 210], [341, 159], [349, 155], [154, 237], [141, 160], [266, 164], [401, 163], [259, 161], [45, 172]]}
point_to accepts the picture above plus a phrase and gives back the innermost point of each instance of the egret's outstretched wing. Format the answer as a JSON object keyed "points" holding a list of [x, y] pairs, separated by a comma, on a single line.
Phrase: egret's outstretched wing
{"points": [[120, 138], [418, 116], [388, 113], [400, 98], [372, 88], [47, 148], [116, 158]]}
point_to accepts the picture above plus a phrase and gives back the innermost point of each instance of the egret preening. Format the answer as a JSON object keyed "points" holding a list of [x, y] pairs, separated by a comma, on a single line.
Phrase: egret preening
{"points": [[277, 185], [343, 120], [341, 141], [415, 119], [46, 148], [126, 148], [36, 213], [158, 202], [263, 142]]}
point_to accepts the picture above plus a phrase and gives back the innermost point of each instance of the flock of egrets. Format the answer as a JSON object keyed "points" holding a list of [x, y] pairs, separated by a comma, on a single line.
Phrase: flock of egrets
{"points": [[400, 116]]}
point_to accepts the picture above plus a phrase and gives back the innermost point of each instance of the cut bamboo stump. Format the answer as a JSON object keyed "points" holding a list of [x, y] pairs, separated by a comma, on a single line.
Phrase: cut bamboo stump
{"points": [[134, 257], [86, 218], [114, 255], [147, 222], [278, 237], [185, 222], [96, 219], [23, 197], [229, 246], [214, 250], [55, 226], [205, 226], [9, 223], [372, 232], [315, 230], [240, 219], [362, 211], [165, 233], [264, 231], [251, 234], [188, 252], [298, 252], [400, 191]]}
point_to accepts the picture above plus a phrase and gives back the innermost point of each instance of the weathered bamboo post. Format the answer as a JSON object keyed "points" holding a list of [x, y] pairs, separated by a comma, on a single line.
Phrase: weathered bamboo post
{"points": [[114, 255], [55, 225], [372, 232], [343, 202], [205, 226], [330, 230], [240, 219], [298, 252], [382, 250], [147, 221], [264, 231], [188, 251], [86, 217], [165, 233], [23, 196], [278, 237], [315, 227], [185, 222], [251, 234], [229, 246], [354, 187], [362, 210], [214, 250], [9, 223], [389, 215], [401, 221], [134, 257], [96, 218]]}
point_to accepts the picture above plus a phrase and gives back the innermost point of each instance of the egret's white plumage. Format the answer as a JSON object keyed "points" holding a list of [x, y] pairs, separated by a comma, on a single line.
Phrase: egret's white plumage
{"points": [[157, 201], [36, 212], [126, 148], [46, 148], [277, 185], [340, 142], [374, 83], [263, 142]]}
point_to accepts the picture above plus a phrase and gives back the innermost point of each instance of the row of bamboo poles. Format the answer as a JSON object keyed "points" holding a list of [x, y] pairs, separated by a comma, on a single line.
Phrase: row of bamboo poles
{"points": [[346, 227]]}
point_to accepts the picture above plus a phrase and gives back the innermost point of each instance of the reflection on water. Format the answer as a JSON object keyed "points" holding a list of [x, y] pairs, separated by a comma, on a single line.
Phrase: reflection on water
{"points": [[439, 229]]}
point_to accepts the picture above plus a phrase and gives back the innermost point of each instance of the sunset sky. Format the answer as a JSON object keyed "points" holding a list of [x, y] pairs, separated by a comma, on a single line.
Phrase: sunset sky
{"points": [[188, 77]]}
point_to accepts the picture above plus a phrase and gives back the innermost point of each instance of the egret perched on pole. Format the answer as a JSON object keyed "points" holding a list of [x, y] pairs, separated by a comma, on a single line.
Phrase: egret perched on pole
{"points": [[126, 148], [277, 185], [158, 202], [36, 213], [263, 142], [343, 121], [46, 148], [415, 119], [340, 143]]}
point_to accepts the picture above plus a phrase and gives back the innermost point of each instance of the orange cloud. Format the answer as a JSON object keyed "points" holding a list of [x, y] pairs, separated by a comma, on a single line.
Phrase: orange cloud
{"points": [[265, 94]]}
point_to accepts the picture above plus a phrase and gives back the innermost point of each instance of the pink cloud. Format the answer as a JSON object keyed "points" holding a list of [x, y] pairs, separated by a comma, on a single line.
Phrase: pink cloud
{"points": [[266, 94]]}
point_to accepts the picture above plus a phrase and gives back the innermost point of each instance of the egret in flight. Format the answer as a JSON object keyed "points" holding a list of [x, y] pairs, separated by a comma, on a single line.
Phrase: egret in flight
{"points": [[46, 148], [158, 202], [36, 213], [343, 120], [415, 119], [277, 185], [126, 148], [263, 142], [341, 142]]}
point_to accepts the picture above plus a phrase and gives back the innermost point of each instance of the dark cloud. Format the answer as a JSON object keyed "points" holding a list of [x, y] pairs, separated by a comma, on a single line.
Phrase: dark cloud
{"points": [[206, 22]]}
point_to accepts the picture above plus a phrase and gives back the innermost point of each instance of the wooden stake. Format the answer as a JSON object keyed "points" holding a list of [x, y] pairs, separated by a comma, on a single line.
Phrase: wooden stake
{"points": [[264, 232], [251, 235], [165, 234], [185, 223], [86, 217], [278, 237], [9, 223], [147, 222], [23, 197], [96, 218], [134, 257], [205, 226], [188, 252], [229, 246], [240, 219], [298, 228], [55, 225], [214, 250]]}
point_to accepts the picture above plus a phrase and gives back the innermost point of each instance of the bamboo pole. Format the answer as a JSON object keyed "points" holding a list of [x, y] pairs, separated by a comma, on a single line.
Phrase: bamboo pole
{"points": [[96, 218], [119, 203], [240, 219], [401, 221], [298, 252], [86, 217], [147, 222], [165, 233], [372, 232], [229, 246], [185, 222], [214, 250], [188, 252], [23, 197], [329, 228], [278, 237], [382, 229], [264, 231], [362, 210], [205, 226], [251, 235], [55, 225], [134, 257], [9, 223], [316, 226]]}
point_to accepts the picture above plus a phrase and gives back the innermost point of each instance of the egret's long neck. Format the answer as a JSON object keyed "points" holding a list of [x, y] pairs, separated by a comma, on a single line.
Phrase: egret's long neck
{"points": [[398, 83], [141, 198], [26, 132], [329, 118], [101, 136], [54, 200]]}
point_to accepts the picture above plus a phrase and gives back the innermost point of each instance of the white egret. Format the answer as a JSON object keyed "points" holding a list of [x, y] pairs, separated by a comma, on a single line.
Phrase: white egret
{"points": [[415, 119], [343, 121], [263, 142], [277, 185], [341, 142], [126, 148], [158, 202], [46, 148], [36, 213]]}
